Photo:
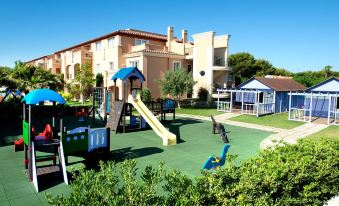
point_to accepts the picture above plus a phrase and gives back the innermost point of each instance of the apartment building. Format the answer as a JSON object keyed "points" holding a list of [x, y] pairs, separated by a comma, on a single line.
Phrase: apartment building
{"points": [[152, 53]]}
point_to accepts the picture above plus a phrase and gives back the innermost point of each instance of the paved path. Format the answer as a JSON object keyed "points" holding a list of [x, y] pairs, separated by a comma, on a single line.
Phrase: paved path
{"points": [[291, 136]]}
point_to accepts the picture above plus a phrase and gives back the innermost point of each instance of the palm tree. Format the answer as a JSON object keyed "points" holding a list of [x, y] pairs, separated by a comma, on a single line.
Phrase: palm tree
{"points": [[29, 77], [327, 71]]}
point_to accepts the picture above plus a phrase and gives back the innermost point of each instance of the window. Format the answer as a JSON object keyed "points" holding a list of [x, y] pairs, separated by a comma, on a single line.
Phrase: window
{"points": [[98, 46], [176, 65], [141, 41], [98, 68], [111, 42], [265, 97], [134, 63], [111, 66]]}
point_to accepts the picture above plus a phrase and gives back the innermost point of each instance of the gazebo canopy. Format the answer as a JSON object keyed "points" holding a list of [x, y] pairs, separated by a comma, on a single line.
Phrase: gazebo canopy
{"points": [[41, 95], [330, 85], [129, 73]]}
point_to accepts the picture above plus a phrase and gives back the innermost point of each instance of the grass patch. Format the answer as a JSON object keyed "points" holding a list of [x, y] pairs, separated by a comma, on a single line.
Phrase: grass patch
{"points": [[198, 111], [76, 103], [274, 120], [331, 132]]}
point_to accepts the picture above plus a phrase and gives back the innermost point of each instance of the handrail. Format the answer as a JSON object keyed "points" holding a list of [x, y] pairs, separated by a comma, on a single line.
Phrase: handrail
{"points": [[224, 106]]}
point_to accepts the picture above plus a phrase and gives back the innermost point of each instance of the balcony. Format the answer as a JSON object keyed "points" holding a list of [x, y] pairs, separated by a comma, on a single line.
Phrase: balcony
{"points": [[219, 61], [57, 61], [140, 47], [81, 56], [189, 53], [42, 65], [147, 46]]}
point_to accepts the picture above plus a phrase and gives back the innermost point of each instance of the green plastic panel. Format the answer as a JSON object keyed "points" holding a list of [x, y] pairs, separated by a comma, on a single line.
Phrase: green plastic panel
{"points": [[25, 131], [73, 143]]}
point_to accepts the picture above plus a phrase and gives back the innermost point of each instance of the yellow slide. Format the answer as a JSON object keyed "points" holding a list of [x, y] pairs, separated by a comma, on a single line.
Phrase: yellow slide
{"points": [[168, 138]]}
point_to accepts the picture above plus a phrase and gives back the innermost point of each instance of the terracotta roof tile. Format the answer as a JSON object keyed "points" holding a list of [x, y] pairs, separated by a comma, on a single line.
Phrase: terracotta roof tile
{"points": [[281, 85], [127, 32]]}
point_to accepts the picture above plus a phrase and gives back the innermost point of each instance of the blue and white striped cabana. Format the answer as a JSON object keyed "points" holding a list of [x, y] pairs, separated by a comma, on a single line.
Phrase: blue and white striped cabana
{"points": [[319, 102]]}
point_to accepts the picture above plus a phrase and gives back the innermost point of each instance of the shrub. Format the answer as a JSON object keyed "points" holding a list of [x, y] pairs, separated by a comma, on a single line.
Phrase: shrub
{"points": [[203, 94], [67, 96], [303, 174], [112, 186], [146, 95], [99, 80], [10, 110]]}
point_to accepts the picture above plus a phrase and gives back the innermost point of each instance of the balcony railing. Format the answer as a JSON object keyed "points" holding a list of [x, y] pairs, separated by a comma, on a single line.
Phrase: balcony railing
{"points": [[300, 114], [147, 46], [258, 109], [224, 106], [57, 61]]}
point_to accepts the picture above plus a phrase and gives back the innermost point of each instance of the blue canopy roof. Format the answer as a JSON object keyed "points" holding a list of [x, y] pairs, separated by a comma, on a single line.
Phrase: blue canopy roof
{"points": [[129, 72], [40, 95]]}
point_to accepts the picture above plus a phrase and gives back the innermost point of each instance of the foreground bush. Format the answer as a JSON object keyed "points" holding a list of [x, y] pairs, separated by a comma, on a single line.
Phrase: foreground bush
{"points": [[302, 174]]}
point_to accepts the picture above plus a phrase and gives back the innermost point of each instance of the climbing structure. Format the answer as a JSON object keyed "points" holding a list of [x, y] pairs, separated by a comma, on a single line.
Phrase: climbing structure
{"points": [[45, 141], [123, 108], [56, 143]]}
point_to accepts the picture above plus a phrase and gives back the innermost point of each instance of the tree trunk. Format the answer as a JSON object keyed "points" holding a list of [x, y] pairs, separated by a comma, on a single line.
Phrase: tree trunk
{"points": [[82, 99], [82, 95], [178, 100]]}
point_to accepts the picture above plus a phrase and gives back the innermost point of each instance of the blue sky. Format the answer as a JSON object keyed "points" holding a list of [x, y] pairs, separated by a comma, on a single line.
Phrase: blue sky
{"points": [[293, 34]]}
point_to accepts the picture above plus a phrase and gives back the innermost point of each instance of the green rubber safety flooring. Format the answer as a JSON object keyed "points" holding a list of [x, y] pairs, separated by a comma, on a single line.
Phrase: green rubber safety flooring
{"points": [[196, 143]]}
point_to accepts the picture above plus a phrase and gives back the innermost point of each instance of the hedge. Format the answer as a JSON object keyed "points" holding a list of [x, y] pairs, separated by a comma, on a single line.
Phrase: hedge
{"points": [[303, 174]]}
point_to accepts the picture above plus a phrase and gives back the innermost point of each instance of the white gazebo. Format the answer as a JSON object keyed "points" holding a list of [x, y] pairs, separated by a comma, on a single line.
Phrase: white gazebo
{"points": [[319, 103]]}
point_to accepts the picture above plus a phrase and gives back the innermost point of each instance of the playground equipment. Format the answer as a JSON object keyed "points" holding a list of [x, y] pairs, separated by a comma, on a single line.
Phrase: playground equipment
{"points": [[167, 137], [214, 162], [10, 92], [53, 139], [123, 109], [220, 130], [162, 107], [100, 104], [81, 114]]}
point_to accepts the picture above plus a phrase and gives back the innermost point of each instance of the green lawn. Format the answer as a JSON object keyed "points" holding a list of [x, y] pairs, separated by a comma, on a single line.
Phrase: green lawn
{"points": [[198, 111], [274, 120], [76, 103], [331, 132], [196, 144]]}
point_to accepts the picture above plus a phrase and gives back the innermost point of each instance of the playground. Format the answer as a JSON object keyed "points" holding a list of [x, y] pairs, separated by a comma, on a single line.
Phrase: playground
{"points": [[55, 144], [144, 146]]}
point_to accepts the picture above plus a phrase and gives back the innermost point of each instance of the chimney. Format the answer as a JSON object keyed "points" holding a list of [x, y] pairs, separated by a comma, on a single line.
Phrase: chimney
{"points": [[169, 37], [184, 36]]}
